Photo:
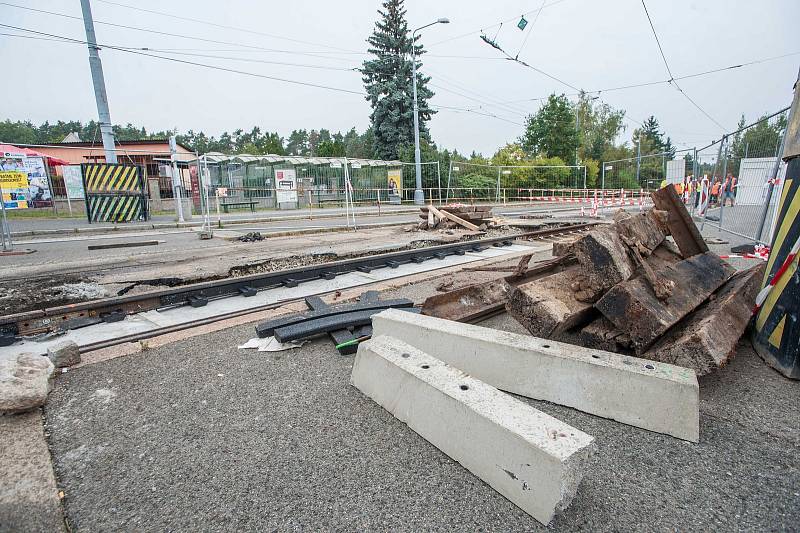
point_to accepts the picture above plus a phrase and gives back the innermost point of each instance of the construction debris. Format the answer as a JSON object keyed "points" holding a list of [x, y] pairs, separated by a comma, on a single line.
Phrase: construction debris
{"points": [[646, 394], [705, 339], [253, 236], [634, 308], [64, 354], [531, 458], [680, 223], [343, 322], [548, 306], [473, 218], [24, 382], [603, 259]]}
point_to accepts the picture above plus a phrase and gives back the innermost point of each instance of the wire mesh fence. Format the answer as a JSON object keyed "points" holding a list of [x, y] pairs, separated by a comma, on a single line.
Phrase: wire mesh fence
{"points": [[473, 181], [744, 179], [319, 182], [648, 171]]}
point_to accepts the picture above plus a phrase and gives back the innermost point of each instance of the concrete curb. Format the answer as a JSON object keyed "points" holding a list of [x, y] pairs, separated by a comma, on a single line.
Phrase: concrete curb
{"points": [[647, 394], [531, 458]]}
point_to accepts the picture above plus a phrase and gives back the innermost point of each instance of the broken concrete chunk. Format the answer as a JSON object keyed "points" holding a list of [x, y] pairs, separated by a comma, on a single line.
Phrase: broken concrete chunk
{"points": [[705, 339], [24, 382], [531, 458], [646, 394], [633, 307], [639, 228], [603, 258], [64, 354], [548, 305]]}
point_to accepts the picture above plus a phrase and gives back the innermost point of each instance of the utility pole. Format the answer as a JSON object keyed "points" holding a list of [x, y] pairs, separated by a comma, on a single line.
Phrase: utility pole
{"points": [[419, 194], [99, 83]]}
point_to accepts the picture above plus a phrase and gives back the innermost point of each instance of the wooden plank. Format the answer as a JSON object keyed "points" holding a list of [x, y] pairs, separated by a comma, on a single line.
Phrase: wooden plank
{"points": [[705, 339], [128, 244], [634, 309], [680, 223], [457, 220]]}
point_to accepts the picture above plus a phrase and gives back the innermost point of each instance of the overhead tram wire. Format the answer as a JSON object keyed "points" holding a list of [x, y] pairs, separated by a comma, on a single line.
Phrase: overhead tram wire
{"points": [[62, 38], [178, 35], [478, 30], [669, 71], [193, 63], [217, 25], [663, 82], [210, 56]]}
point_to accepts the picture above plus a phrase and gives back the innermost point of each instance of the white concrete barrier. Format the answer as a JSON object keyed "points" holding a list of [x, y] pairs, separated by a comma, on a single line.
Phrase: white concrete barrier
{"points": [[647, 394], [531, 458]]}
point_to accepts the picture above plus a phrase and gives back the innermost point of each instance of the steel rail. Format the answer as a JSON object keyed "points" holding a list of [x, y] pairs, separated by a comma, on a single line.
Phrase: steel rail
{"points": [[81, 314]]}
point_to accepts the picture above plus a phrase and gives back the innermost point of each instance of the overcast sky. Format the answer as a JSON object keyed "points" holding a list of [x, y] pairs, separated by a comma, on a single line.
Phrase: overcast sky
{"points": [[588, 44]]}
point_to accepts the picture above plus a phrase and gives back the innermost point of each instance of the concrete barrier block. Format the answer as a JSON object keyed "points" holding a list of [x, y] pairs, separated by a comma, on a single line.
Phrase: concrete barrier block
{"points": [[531, 458], [655, 396]]}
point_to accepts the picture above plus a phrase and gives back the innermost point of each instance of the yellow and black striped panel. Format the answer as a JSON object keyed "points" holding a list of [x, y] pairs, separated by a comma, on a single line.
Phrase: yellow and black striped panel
{"points": [[777, 331], [109, 208], [107, 177]]}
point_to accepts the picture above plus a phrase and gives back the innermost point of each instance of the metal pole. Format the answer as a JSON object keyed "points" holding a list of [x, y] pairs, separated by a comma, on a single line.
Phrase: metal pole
{"points": [[7, 242], [419, 195], [449, 173], [176, 178], [99, 83], [497, 195], [439, 180], [603, 177], [638, 158], [724, 171], [584, 176]]}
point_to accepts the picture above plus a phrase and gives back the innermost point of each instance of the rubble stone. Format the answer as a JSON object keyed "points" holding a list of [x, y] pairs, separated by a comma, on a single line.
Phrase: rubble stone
{"points": [[633, 307], [706, 338], [24, 382], [548, 305], [64, 354], [531, 458]]}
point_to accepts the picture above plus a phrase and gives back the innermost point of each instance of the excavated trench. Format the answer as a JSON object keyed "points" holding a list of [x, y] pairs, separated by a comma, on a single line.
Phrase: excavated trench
{"points": [[46, 292]]}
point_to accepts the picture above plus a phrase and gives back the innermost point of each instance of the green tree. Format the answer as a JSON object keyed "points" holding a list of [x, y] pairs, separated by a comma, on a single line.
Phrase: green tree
{"points": [[551, 131], [599, 126], [388, 81]]}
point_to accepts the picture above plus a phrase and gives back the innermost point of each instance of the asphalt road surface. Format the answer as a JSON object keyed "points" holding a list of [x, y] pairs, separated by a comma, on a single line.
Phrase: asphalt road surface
{"points": [[198, 435]]}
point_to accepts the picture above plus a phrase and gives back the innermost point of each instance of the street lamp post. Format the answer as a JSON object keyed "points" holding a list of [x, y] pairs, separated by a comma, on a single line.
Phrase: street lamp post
{"points": [[419, 194]]}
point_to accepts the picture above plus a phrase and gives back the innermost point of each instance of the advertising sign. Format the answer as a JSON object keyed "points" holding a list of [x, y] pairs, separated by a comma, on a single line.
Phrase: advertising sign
{"points": [[286, 185], [38, 184], [73, 181], [395, 181], [14, 184], [14, 181]]}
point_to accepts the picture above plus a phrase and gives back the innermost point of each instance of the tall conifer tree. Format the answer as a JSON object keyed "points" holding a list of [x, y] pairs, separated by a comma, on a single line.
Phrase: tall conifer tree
{"points": [[387, 79]]}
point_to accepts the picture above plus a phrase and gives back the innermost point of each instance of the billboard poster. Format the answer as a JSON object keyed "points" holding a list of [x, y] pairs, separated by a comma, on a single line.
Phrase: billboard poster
{"points": [[286, 185], [14, 184], [39, 194], [73, 181], [395, 181], [14, 181]]}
